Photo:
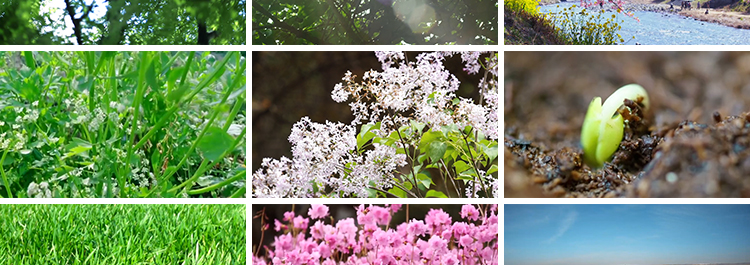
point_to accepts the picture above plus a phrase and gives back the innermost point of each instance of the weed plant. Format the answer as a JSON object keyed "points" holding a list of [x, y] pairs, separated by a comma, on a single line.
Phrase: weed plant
{"points": [[122, 234], [122, 124], [580, 27], [529, 6], [525, 25]]}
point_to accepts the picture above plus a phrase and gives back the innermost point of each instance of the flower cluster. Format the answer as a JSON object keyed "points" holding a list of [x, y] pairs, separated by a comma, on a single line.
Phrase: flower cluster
{"points": [[326, 160], [372, 240], [319, 152], [424, 88]]}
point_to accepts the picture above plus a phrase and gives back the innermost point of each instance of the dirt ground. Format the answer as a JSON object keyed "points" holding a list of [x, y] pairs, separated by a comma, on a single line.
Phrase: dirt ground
{"points": [[697, 137], [727, 18]]}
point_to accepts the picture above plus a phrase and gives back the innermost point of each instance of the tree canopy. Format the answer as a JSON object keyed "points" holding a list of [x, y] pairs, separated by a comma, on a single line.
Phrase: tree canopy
{"points": [[375, 21], [112, 22]]}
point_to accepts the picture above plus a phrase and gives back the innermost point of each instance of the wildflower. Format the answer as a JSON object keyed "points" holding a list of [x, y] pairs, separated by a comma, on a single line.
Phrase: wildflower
{"points": [[235, 129]]}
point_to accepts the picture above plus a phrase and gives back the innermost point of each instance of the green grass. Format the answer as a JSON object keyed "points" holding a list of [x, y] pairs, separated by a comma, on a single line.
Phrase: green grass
{"points": [[122, 234], [122, 124], [525, 25]]}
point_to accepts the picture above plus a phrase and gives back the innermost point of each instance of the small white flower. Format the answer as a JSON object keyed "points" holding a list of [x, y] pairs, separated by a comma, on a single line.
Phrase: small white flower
{"points": [[32, 190], [235, 129]]}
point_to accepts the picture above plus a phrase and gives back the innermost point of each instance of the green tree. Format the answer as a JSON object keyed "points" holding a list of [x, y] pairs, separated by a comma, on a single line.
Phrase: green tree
{"points": [[155, 22], [20, 23], [375, 21]]}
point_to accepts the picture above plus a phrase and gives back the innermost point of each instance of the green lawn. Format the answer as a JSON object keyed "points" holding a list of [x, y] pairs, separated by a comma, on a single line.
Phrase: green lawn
{"points": [[122, 234]]}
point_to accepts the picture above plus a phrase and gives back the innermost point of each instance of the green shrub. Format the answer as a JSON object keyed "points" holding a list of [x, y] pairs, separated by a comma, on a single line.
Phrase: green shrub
{"points": [[530, 6], [579, 27]]}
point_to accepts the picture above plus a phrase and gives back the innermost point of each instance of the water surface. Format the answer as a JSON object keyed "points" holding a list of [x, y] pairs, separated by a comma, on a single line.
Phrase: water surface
{"points": [[667, 29]]}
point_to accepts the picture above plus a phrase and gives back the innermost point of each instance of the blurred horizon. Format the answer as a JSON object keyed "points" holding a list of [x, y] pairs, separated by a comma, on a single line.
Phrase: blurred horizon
{"points": [[641, 234]]}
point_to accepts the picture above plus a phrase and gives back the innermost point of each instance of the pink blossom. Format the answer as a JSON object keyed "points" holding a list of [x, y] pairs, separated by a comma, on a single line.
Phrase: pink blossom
{"points": [[433, 240], [469, 212], [278, 226], [416, 227], [436, 219], [382, 215], [300, 222], [465, 240], [317, 211]]}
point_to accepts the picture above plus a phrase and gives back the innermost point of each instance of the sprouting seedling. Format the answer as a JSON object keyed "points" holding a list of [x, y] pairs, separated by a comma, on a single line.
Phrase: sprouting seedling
{"points": [[603, 126]]}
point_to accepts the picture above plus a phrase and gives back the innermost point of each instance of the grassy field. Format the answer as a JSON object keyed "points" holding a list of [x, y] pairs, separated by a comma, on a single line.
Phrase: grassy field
{"points": [[122, 124], [122, 234]]}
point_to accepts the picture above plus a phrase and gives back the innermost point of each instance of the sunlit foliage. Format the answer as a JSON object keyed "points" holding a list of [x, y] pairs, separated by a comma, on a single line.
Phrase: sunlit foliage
{"points": [[375, 21], [113, 22]]}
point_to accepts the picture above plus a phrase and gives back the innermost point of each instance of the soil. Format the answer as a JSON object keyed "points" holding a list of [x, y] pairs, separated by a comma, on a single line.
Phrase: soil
{"points": [[694, 140], [738, 20]]}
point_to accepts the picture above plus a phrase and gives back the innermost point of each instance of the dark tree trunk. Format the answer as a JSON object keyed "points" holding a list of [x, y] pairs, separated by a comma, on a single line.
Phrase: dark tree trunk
{"points": [[203, 35], [77, 21]]}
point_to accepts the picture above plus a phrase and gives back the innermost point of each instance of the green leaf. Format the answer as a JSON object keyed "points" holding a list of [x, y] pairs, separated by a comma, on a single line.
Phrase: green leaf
{"points": [[492, 169], [408, 185], [464, 177], [214, 143], [421, 158], [176, 95], [151, 76], [448, 129], [418, 126], [436, 150], [29, 56], [366, 135], [461, 166], [429, 137], [491, 152], [398, 192], [9, 160], [424, 180], [435, 194], [467, 175], [172, 77], [77, 147]]}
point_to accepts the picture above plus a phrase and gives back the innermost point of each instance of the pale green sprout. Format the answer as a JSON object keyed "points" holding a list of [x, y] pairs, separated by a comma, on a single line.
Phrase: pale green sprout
{"points": [[603, 126]]}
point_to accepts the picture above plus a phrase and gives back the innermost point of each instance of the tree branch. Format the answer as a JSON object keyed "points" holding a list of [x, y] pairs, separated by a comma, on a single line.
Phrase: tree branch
{"points": [[77, 21], [284, 25]]}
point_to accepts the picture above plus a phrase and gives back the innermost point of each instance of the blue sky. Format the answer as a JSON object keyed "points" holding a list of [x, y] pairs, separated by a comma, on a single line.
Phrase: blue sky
{"points": [[56, 9], [626, 234]]}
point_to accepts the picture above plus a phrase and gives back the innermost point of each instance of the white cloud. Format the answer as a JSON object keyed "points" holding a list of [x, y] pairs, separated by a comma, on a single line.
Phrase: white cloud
{"points": [[565, 224]]}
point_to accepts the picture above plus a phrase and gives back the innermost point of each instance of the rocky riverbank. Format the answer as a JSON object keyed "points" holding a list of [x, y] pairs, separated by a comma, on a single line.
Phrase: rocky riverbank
{"points": [[719, 16]]}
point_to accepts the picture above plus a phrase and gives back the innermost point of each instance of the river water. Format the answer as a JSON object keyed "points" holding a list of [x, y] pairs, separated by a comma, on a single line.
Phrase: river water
{"points": [[666, 29]]}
